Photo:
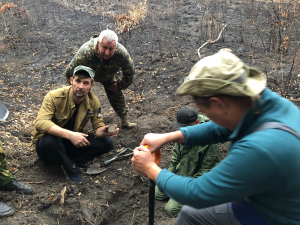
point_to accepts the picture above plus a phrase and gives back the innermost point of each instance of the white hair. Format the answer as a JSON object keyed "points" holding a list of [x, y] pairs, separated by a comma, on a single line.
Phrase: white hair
{"points": [[109, 35]]}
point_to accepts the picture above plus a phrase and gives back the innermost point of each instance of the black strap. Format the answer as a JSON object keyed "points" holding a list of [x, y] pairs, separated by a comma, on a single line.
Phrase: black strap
{"points": [[276, 125]]}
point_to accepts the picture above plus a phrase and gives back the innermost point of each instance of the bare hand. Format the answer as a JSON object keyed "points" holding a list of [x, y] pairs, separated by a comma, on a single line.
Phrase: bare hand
{"points": [[142, 159], [113, 86], [155, 141], [79, 139], [103, 131], [143, 162]]}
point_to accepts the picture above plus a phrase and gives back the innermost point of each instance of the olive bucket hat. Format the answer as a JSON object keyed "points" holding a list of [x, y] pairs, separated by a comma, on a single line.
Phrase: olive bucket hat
{"points": [[222, 74]]}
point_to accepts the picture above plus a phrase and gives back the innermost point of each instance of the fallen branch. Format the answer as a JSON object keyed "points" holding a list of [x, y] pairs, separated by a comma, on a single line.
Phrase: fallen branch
{"points": [[132, 217], [38, 182], [27, 211], [210, 42], [88, 221], [63, 195]]}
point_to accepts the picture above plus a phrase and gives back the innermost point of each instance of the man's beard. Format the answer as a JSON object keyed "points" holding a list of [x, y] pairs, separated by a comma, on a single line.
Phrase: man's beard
{"points": [[80, 95]]}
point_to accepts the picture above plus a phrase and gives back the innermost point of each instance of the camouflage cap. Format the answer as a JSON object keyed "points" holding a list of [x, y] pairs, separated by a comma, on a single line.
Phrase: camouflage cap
{"points": [[90, 71], [222, 74]]}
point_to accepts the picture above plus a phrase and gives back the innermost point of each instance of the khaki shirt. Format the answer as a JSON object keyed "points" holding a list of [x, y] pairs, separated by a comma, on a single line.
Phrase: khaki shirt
{"points": [[58, 108]]}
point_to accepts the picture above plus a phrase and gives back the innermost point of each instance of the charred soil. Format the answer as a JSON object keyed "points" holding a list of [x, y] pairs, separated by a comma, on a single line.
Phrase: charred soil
{"points": [[38, 39]]}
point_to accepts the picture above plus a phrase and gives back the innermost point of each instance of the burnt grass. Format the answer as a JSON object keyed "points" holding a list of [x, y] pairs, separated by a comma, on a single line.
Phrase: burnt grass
{"points": [[39, 38]]}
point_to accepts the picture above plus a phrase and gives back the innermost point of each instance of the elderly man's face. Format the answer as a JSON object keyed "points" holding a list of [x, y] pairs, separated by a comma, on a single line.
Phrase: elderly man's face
{"points": [[107, 49]]}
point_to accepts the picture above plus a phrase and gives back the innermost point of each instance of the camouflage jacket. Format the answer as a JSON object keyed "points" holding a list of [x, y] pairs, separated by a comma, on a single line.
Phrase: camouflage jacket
{"points": [[58, 108], [105, 70], [194, 161]]}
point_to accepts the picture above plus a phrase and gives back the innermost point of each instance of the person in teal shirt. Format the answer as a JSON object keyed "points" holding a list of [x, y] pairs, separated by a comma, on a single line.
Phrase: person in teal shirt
{"points": [[258, 182], [190, 161]]}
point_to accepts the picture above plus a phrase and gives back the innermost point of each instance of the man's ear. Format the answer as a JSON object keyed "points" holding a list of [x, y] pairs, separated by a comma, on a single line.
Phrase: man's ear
{"points": [[71, 80], [197, 121], [218, 102], [92, 84]]}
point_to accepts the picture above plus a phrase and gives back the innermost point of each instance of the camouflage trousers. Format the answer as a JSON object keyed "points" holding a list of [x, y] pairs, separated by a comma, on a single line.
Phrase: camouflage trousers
{"points": [[116, 99], [172, 207], [5, 175]]}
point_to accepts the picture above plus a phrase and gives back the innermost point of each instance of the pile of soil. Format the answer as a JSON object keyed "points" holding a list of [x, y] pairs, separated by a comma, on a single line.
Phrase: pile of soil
{"points": [[38, 39]]}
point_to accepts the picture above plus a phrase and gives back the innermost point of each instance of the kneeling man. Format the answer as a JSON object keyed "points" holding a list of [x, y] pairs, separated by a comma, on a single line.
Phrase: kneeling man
{"points": [[59, 126]]}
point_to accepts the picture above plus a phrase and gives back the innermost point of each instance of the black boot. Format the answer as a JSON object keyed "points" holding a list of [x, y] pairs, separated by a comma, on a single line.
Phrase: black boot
{"points": [[5, 210], [19, 188]]}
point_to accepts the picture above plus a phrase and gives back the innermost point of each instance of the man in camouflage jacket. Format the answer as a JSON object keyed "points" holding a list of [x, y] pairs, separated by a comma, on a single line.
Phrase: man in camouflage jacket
{"points": [[189, 161], [7, 182], [106, 56]]}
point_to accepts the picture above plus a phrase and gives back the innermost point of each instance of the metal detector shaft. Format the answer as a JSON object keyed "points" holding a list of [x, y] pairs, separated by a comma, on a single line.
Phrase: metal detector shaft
{"points": [[151, 201], [157, 157]]}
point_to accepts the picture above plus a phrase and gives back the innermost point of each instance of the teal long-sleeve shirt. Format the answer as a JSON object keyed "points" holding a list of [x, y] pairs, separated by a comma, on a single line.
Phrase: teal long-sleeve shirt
{"points": [[263, 166]]}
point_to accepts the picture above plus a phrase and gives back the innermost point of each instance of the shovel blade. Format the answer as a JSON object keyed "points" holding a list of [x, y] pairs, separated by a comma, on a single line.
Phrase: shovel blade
{"points": [[3, 112], [95, 169]]}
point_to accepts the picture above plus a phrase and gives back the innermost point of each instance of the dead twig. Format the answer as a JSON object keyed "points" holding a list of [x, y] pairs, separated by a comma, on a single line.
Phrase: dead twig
{"points": [[63, 195], [27, 211], [132, 216], [88, 221], [210, 42], [32, 182], [107, 207]]}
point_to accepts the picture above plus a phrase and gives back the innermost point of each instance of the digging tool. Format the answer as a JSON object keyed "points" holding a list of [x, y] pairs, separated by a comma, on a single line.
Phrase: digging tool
{"points": [[95, 169], [157, 156], [120, 155], [3, 112]]}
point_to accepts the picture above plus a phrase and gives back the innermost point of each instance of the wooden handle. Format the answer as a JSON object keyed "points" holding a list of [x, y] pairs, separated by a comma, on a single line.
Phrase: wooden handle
{"points": [[156, 155]]}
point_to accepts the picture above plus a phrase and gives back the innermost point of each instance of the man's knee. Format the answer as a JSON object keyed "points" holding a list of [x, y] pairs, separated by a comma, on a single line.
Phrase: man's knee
{"points": [[48, 140], [108, 143], [160, 196], [173, 208], [184, 215], [220, 214], [48, 143], [104, 144]]}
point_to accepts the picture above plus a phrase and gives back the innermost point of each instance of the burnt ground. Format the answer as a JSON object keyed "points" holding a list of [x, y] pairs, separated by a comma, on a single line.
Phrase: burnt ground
{"points": [[38, 38]]}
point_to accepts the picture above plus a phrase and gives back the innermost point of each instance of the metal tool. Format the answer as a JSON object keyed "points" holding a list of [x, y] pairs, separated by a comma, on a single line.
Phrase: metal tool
{"points": [[95, 169], [157, 156], [3, 112], [120, 155]]}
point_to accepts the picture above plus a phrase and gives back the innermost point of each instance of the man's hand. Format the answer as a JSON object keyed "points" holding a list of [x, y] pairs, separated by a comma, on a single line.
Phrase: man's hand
{"points": [[114, 86], [143, 162], [78, 139], [103, 131], [157, 141]]}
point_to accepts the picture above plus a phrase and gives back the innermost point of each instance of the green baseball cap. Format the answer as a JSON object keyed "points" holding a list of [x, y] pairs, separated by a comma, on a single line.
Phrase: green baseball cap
{"points": [[90, 71], [222, 74]]}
